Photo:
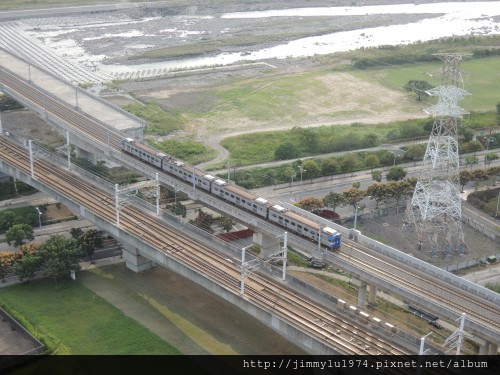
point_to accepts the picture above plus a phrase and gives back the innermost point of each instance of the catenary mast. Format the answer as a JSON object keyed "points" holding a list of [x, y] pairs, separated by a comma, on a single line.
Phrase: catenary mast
{"points": [[435, 208]]}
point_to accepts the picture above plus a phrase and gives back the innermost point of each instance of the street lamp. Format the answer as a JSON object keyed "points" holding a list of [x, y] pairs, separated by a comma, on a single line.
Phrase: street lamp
{"points": [[394, 150], [488, 141], [355, 217], [302, 170], [39, 217], [422, 344]]}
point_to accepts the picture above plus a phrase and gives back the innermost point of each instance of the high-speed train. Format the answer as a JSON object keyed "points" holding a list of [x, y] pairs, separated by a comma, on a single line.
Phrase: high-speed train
{"points": [[235, 194]]}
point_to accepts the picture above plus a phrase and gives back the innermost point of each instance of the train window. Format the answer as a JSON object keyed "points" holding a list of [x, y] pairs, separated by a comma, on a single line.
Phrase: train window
{"points": [[254, 206], [274, 215], [243, 201], [293, 224], [227, 193], [306, 230], [237, 198], [299, 226], [287, 221], [232, 195], [279, 217]]}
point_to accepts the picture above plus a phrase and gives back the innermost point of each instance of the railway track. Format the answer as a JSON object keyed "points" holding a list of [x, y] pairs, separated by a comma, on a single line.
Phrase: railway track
{"points": [[335, 332], [459, 301], [412, 280]]}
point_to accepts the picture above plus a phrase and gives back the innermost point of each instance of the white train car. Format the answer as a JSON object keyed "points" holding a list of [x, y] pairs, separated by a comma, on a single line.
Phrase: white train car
{"points": [[305, 227], [187, 173], [143, 152], [240, 197]]}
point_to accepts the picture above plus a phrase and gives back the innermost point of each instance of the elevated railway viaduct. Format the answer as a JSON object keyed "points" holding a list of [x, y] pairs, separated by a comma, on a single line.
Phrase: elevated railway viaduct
{"points": [[79, 115]]}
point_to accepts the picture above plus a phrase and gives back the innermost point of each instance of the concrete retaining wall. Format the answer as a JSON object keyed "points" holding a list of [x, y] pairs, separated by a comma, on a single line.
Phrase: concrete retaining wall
{"points": [[39, 347]]}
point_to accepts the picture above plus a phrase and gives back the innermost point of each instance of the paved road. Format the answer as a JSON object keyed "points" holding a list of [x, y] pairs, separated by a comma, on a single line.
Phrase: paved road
{"points": [[489, 275]]}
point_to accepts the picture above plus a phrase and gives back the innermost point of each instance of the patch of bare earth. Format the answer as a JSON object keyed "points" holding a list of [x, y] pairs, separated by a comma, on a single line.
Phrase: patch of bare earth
{"points": [[342, 99]]}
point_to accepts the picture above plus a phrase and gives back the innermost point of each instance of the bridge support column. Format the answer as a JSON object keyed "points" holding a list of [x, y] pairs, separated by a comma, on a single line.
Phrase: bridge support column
{"points": [[133, 260], [372, 297], [493, 349], [362, 295], [81, 153], [268, 244], [484, 348]]}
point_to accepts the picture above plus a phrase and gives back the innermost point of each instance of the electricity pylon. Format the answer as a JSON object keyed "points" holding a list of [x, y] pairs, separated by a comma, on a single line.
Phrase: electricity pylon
{"points": [[435, 208]]}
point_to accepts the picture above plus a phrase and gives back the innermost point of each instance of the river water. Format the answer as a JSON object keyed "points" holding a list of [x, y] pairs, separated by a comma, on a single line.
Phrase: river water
{"points": [[439, 20]]}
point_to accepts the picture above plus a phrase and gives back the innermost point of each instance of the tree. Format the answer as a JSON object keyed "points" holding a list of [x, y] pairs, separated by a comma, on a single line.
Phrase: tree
{"points": [[60, 256], [7, 259], [378, 192], [333, 200], [76, 232], [488, 158], [377, 176], [286, 151], [311, 169], [372, 161], [465, 177], [27, 266], [226, 223], [471, 160], [178, 209], [400, 190], [395, 174], [18, 233], [370, 140], [290, 174], [356, 185], [7, 220], [349, 163], [329, 167], [88, 241], [466, 133], [471, 146], [353, 196], [419, 87], [310, 204], [415, 152], [309, 139], [479, 175], [203, 220]]}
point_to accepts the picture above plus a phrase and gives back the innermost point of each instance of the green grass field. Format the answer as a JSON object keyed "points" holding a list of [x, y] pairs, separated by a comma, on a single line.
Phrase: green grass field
{"points": [[69, 319], [481, 77]]}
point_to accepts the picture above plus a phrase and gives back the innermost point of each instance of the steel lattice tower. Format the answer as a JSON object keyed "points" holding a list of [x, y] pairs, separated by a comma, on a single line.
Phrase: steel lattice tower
{"points": [[435, 208]]}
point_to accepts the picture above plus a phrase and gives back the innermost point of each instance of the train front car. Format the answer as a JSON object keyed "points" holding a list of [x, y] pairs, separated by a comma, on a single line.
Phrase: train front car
{"points": [[331, 238]]}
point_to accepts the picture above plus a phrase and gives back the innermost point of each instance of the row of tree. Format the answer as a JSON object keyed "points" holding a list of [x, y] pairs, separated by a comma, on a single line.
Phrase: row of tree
{"points": [[57, 256], [380, 192], [397, 189]]}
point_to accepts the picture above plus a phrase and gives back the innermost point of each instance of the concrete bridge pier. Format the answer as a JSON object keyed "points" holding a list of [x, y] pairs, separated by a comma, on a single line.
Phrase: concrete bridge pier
{"points": [[268, 244], [493, 349], [133, 260], [81, 153], [488, 348], [362, 295], [372, 297]]}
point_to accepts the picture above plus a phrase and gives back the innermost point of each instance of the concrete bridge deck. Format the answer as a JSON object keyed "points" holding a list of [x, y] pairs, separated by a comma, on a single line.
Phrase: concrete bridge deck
{"points": [[70, 94]]}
